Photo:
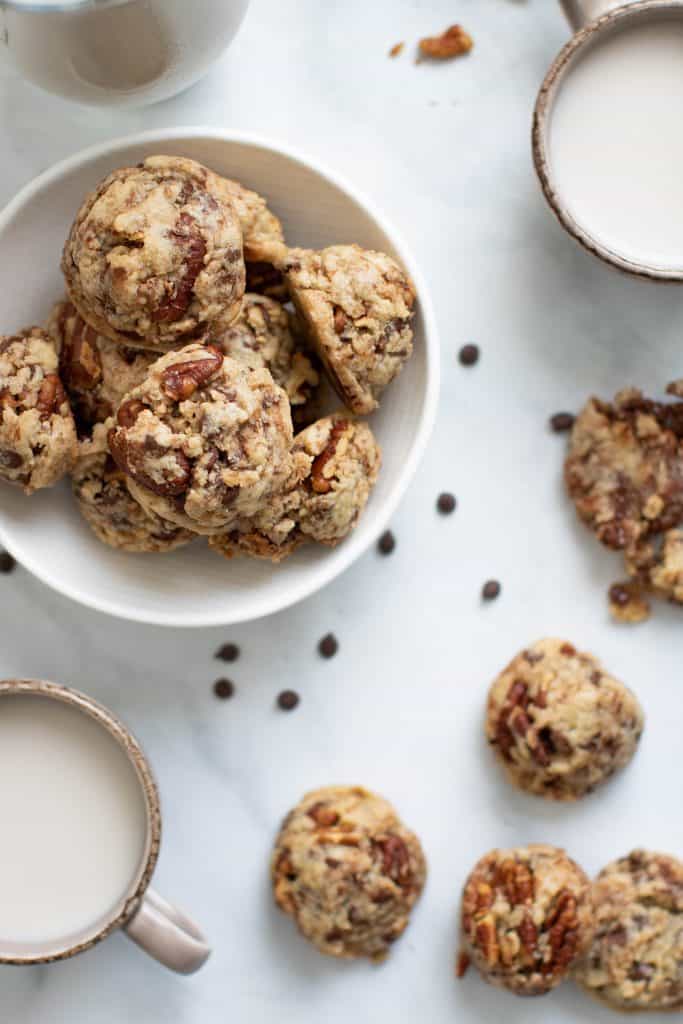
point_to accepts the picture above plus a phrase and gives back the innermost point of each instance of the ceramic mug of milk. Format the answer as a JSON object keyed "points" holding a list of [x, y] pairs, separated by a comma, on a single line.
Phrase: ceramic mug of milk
{"points": [[608, 134], [81, 825]]}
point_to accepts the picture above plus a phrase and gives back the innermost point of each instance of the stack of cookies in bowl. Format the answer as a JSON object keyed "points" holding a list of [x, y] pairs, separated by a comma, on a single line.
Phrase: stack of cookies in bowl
{"points": [[182, 380]]}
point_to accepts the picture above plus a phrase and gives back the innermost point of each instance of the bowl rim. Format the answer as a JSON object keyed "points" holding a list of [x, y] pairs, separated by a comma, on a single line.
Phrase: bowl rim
{"points": [[349, 552]]}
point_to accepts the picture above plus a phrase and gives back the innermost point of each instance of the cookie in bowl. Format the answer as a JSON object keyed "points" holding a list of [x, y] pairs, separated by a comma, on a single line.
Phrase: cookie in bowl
{"points": [[348, 871], [357, 306], [38, 443], [204, 440], [154, 258]]}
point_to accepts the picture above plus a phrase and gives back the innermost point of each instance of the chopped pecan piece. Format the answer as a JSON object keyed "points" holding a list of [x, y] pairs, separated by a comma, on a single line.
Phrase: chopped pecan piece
{"points": [[181, 380], [319, 482], [51, 396], [454, 42]]}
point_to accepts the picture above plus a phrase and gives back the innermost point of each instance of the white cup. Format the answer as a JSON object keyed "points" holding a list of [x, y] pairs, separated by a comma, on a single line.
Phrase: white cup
{"points": [[116, 52]]}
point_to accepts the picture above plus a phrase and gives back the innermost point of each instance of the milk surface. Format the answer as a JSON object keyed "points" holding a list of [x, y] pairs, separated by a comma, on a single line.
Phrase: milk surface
{"points": [[616, 142], [72, 820]]}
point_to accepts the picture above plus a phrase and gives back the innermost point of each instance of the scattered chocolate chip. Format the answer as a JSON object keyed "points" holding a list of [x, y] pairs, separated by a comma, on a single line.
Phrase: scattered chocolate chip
{"points": [[562, 421], [446, 503], [328, 646], [469, 355], [288, 700], [7, 563], [490, 590], [224, 688], [228, 652], [619, 594], [386, 543]]}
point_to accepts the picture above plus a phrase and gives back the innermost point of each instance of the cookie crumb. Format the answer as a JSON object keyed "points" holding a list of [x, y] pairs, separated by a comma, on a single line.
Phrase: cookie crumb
{"points": [[328, 646], [386, 543], [396, 50], [490, 590], [561, 422], [288, 700], [7, 562], [224, 689], [461, 965], [228, 652], [454, 42], [446, 503], [627, 602], [469, 355]]}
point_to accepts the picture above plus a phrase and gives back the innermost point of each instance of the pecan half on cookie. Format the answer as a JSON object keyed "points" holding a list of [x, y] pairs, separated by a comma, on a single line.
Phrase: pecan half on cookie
{"points": [[348, 871], [636, 959], [624, 468], [154, 258], [559, 723], [38, 442], [526, 918], [357, 307], [204, 440]]}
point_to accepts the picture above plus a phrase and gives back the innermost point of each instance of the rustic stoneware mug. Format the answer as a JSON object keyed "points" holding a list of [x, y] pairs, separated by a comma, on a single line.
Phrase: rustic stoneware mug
{"points": [[81, 833], [646, 243]]}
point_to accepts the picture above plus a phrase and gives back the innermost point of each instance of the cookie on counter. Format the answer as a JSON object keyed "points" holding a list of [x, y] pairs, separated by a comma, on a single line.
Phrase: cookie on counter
{"points": [[38, 442], [154, 258], [559, 724], [205, 441], [624, 468], [335, 467], [636, 959], [114, 516], [526, 918], [357, 308], [265, 334], [95, 371], [348, 871]]}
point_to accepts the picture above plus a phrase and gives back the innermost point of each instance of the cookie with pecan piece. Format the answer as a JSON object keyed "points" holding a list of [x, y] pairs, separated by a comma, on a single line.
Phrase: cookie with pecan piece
{"points": [[348, 871], [636, 959], [357, 306], [526, 918], [38, 442], [204, 440], [560, 724], [154, 258]]}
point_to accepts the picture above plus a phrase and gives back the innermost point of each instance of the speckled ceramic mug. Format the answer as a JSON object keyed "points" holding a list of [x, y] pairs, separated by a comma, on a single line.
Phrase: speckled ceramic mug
{"points": [[593, 21], [156, 926]]}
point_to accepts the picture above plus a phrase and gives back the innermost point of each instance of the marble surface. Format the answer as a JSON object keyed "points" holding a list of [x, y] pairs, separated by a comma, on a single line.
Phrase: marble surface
{"points": [[446, 151]]}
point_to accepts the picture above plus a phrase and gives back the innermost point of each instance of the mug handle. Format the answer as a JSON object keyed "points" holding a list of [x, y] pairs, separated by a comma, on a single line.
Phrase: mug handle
{"points": [[168, 935], [580, 12]]}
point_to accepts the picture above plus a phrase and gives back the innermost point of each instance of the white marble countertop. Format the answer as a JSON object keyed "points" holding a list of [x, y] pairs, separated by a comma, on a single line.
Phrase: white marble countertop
{"points": [[445, 149]]}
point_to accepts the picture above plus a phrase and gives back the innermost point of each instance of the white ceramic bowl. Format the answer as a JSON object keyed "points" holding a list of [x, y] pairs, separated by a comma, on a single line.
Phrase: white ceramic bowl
{"points": [[194, 586]]}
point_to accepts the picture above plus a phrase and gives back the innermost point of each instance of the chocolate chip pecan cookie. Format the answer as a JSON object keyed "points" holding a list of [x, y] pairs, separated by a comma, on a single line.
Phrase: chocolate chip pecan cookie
{"points": [[38, 442], [154, 258], [265, 335], [526, 918], [624, 469], [95, 371], [636, 959], [205, 441], [335, 466], [357, 306], [114, 516], [559, 723], [348, 871]]}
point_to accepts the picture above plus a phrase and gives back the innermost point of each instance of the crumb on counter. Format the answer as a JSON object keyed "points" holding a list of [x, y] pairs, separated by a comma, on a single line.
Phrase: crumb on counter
{"points": [[454, 42]]}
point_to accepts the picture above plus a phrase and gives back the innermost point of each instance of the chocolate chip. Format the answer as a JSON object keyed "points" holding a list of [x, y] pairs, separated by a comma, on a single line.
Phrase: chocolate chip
{"points": [[328, 646], [619, 595], [469, 355], [228, 652], [386, 543], [7, 563], [288, 700], [490, 590], [562, 421], [446, 503], [224, 688]]}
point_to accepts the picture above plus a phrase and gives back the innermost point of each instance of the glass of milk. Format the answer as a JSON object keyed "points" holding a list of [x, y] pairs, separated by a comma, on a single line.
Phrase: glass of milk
{"points": [[81, 825], [116, 52], [608, 134]]}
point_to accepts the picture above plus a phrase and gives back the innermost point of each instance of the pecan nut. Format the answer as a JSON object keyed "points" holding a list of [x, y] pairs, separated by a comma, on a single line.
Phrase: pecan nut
{"points": [[141, 461], [319, 482], [51, 396], [181, 380]]}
